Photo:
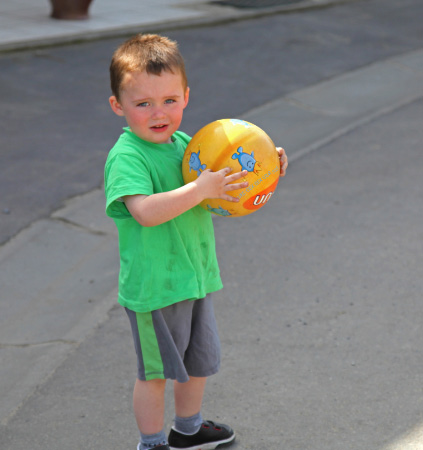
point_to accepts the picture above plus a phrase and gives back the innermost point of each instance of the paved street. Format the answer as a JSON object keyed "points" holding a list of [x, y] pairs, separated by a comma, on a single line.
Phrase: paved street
{"points": [[60, 94], [320, 318]]}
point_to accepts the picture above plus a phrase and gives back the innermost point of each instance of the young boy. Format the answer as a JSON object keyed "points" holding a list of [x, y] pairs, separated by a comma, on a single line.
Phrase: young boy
{"points": [[166, 244]]}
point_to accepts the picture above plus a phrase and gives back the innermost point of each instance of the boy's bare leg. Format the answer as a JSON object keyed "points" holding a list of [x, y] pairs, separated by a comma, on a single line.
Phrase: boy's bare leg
{"points": [[149, 405], [189, 396]]}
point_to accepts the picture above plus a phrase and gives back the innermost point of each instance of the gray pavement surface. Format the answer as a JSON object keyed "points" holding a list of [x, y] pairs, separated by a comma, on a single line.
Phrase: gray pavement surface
{"points": [[320, 318], [58, 95], [25, 23]]}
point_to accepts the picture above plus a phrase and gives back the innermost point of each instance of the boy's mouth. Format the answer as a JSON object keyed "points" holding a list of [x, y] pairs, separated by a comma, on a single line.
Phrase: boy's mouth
{"points": [[158, 127]]}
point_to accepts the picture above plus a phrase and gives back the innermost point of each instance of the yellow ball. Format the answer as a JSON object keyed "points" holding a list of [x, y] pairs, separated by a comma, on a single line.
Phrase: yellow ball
{"points": [[239, 145]]}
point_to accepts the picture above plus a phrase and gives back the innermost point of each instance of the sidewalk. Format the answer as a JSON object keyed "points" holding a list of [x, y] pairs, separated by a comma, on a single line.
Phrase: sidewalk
{"points": [[26, 24], [50, 335], [77, 246], [71, 257]]}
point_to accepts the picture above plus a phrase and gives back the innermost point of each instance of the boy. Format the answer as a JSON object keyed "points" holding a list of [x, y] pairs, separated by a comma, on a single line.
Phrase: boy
{"points": [[166, 244]]}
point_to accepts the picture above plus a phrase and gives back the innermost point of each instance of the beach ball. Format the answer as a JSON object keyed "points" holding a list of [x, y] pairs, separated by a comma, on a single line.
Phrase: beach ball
{"points": [[239, 145]]}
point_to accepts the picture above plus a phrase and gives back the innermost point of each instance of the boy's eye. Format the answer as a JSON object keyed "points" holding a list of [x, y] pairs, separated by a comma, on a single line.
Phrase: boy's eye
{"points": [[169, 100], [143, 104]]}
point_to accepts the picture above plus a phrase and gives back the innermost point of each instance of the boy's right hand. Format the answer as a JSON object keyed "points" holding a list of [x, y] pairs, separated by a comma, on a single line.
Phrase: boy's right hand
{"points": [[217, 184], [155, 209]]}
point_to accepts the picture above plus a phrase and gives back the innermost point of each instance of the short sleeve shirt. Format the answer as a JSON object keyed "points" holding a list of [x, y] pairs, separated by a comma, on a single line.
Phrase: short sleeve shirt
{"points": [[167, 263]]}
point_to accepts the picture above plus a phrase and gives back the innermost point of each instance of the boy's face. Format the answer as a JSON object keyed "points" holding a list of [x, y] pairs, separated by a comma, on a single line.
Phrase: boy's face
{"points": [[152, 105]]}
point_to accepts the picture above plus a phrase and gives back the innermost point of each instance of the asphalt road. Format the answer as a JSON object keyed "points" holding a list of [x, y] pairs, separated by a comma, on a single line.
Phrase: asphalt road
{"points": [[56, 126]]}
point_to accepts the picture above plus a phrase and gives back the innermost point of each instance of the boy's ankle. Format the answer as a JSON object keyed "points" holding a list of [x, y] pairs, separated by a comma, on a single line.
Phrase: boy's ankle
{"points": [[153, 441], [188, 425]]}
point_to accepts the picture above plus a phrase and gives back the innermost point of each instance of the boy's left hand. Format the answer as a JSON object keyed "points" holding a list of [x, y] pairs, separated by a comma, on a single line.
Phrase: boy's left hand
{"points": [[283, 159]]}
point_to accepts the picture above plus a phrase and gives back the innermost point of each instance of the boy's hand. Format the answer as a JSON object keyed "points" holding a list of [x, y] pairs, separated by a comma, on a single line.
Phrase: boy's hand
{"points": [[283, 159], [217, 184]]}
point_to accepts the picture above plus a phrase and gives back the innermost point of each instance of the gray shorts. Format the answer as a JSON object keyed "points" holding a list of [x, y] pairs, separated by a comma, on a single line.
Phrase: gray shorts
{"points": [[177, 341]]}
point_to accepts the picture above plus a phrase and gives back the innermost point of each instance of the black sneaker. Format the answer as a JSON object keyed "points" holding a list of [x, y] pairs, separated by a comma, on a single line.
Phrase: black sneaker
{"points": [[209, 436]]}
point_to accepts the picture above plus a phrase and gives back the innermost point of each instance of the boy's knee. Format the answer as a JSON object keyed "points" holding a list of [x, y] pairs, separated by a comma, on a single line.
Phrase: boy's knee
{"points": [[156, 384]]}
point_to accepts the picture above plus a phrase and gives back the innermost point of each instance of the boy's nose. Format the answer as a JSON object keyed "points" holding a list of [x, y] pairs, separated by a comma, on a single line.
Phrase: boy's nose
{"points": [[158, 112]]}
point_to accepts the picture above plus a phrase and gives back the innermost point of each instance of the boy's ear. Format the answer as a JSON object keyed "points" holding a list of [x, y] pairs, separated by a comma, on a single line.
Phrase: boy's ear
{"points": [[116, 106], [186, 98]]}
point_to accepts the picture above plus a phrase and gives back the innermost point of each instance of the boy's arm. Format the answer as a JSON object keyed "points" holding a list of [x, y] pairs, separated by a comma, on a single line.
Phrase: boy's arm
{"points": [[155, 209]]}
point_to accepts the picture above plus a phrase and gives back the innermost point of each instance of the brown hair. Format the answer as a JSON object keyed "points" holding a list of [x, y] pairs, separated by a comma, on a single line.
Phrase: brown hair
{"points": [[145, 52]]}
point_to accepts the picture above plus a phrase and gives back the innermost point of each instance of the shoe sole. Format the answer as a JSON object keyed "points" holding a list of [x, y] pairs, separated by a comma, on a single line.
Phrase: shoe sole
{"points": [[208, 446]]}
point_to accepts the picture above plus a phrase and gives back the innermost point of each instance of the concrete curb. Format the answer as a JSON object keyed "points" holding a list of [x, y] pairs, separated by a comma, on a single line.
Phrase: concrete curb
{"points": [[340, 105]]}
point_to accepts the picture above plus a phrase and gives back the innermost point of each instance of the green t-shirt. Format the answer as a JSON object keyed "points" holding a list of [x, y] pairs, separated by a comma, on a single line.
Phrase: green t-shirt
{"points": [[167, 263]]}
